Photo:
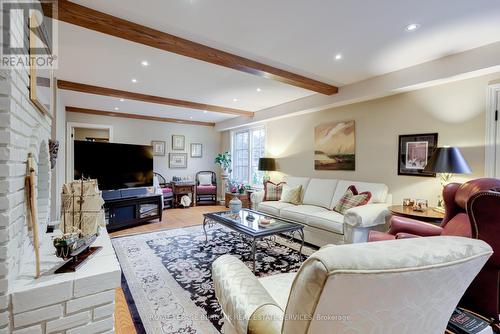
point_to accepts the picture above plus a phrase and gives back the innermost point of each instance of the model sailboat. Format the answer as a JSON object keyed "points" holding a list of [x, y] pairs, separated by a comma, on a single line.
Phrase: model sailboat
{"points": [[82, 214]]}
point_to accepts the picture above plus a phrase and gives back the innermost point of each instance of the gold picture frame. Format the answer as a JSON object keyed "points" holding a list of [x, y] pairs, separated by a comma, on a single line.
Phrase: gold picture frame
{"points": [[41, 85]]}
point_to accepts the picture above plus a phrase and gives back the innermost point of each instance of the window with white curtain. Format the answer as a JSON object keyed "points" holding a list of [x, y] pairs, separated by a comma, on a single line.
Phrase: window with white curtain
{"points": [[248, 146]]}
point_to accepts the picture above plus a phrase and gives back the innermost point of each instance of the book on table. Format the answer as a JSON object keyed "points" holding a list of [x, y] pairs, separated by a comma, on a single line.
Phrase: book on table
{"points": [[465, 322]]}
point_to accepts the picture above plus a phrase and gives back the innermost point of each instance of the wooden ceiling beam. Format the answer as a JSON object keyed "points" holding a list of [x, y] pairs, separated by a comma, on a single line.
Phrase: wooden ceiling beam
{"points": [[84, 88], [73, 13], [135, 116]]}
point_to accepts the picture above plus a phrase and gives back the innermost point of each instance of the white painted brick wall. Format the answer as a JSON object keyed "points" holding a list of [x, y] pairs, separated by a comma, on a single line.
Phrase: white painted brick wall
{"points": [[81, 302]]}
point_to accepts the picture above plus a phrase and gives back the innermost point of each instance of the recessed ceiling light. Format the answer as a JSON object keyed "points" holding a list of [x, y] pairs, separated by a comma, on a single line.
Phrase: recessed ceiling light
{"points": [[145, 63], [134, 80], [235, 100], [338, 56], [204, 111], [116, 108], [259, 90], [121, 100], [412, 27], [190, 117]]}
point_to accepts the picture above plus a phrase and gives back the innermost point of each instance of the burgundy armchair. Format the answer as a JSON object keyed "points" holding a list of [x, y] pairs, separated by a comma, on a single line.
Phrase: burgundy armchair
{"points": [[471, 210], [206, 192]]}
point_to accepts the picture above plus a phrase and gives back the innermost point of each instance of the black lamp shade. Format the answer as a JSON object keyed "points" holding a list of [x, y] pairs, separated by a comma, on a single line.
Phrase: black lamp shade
{"points": [[267, 164], [447, 160]]}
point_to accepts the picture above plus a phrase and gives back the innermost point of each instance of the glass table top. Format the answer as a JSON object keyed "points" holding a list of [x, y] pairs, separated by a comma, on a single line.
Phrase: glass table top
{"points": [[253, 221]]}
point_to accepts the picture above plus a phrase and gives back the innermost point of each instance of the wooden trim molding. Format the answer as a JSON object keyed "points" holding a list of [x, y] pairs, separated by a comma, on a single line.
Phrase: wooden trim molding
{"points": [[135, 116], [84, 88], [73, 13]]}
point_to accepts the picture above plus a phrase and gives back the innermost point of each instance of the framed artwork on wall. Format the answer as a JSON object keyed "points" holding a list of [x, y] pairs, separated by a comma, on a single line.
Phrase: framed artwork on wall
{"points": [[177, 160], [158, 147], [41, 85], [196, 150], [335, 146], [414, 152], [178, 142]]}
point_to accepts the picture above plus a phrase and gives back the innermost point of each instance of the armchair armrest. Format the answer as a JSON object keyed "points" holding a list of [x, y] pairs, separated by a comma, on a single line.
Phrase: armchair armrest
{"points": [[412, 226], [257, 197], [367, 215], [245, 303]]}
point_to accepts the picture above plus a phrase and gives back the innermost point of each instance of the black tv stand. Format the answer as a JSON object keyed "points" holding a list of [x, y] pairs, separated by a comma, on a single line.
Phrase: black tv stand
{"points": [[124, 209]]}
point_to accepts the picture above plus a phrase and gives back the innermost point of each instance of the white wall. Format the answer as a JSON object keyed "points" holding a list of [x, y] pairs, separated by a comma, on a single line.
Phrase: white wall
{"points": [[455, 110], [142, 132]]}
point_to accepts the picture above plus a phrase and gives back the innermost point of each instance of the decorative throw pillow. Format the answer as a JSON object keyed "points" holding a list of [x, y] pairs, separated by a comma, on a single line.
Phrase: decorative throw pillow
{"points": [[205, 179], [291, 194], [352, 199], [272, 191]]}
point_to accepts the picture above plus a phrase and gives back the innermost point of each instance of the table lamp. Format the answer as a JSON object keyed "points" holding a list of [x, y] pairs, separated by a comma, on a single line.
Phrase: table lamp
{"points": [[267, 165], [446, 161]]}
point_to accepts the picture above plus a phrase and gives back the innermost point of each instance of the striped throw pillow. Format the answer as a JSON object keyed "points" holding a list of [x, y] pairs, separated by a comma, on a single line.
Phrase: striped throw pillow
{"points": [[352, 199], [291, 194], [272, 191]]}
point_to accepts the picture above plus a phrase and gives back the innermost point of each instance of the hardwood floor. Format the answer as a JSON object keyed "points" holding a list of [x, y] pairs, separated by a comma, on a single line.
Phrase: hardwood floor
{"points": [[172, 218]]}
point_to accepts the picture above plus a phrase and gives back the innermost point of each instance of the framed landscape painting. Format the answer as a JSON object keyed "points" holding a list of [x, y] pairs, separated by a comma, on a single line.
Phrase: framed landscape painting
{"points": [[414, 153], [335, 146]]}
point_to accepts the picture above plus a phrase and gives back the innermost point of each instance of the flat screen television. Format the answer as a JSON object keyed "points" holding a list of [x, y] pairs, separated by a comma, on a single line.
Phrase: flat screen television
{"points": [[115, 166]]}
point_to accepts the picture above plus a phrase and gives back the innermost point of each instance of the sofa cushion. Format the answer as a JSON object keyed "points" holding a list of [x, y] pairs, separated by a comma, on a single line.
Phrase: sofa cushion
{"points": [[320, 192], [351, 199], [273, 207], [379, 191], [330, 221], [291, 194], [205, 179], [272, 191], [279, 287], [299, 213], [294, 181]]}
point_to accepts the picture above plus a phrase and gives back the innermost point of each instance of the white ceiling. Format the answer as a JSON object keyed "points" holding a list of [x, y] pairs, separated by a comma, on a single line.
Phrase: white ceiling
{"points": [[297, 35]]}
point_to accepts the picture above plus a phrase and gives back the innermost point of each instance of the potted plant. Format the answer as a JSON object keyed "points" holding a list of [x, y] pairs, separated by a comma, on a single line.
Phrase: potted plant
{"points": [[224, 161]]}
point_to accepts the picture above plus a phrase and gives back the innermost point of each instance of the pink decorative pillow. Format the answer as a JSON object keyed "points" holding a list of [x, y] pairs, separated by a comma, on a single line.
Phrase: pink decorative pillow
{"points": [[352, 199], [272, 191]]}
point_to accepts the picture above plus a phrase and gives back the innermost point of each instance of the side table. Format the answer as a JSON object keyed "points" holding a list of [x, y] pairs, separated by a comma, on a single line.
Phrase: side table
{"points": [[246, 203], [429, 215], [180, 189]]}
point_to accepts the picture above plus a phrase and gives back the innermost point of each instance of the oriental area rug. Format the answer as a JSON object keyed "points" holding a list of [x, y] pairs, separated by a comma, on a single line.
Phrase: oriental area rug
{"points": [[167, 274]]}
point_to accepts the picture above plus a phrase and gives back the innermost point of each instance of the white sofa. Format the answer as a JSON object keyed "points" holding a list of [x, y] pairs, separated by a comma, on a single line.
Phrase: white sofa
{"points": [[322, 224]]}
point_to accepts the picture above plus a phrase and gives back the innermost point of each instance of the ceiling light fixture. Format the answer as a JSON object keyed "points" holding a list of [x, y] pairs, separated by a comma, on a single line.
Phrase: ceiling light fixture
{"points": [[412, 27], [134, 80], [204, 111], [259, 90], [121, 100], [190, 117], [338, 56], [235, 100], [116, 108], [145, 63]]}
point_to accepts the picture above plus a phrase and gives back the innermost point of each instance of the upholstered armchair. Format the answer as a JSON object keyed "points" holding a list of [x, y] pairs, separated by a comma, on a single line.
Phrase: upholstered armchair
{"points": [[206, 187], [456, 220], [483, 294], [166, 190], [395, 287]]}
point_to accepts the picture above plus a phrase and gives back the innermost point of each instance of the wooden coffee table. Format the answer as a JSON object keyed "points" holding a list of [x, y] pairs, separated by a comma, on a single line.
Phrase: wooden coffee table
{"points": [[246, 222]]}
